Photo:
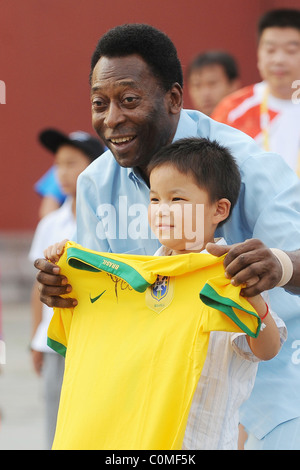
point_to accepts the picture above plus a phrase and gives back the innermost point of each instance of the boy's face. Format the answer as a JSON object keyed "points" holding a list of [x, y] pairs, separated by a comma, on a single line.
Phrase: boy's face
{"points": [[279, 59], [70, 162], [208, 85], [180, 213]]}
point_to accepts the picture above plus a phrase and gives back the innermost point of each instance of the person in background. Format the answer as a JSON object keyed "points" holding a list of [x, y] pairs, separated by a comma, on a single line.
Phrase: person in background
{"points": [[72, 154], [269, 111], [48, 188], [210, 77]]}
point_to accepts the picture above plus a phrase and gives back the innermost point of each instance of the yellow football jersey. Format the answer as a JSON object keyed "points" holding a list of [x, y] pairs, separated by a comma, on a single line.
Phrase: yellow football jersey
{"points": [[136, 343]]}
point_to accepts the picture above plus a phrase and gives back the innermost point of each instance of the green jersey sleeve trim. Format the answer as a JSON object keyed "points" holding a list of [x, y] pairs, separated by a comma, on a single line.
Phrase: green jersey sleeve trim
{"points": [[211, 298], [57, 347], [80, 259]]}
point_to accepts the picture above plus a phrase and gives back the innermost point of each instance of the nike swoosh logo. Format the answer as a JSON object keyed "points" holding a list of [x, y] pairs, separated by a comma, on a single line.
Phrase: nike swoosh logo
{"points": [[96, 298]]}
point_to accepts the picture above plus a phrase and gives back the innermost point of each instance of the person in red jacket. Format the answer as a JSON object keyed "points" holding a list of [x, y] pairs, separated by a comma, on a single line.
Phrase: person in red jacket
{"points": [[269, 111]]}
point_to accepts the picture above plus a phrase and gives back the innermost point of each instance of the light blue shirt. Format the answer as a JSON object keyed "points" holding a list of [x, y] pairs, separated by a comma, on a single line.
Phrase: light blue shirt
{"points": [[112, 216]]}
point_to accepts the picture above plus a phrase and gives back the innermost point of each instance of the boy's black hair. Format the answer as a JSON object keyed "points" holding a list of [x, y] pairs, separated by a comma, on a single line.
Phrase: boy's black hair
{"points": [[212, 166], [154, 46], [281, 18], [221, 58]]}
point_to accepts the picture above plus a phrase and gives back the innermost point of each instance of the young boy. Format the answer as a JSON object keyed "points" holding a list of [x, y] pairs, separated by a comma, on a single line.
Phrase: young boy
{"points": [[186, 177]]}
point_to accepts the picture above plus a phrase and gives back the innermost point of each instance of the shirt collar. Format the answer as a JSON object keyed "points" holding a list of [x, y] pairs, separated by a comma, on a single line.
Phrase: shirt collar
{"points": [[134, 175], [164, 251], [186, 127]]}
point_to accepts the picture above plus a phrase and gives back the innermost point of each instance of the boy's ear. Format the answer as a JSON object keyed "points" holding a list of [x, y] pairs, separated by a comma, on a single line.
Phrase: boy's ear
{"points": [[222, 210]]}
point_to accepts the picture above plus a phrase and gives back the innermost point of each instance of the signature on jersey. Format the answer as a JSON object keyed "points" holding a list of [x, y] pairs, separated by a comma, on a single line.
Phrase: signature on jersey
{"points": [[119, 284]]}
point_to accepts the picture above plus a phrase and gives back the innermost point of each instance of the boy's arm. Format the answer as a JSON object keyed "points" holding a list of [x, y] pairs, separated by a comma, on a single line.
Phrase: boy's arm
{"points": [[36, 312], [36, 308], [267, 343]]}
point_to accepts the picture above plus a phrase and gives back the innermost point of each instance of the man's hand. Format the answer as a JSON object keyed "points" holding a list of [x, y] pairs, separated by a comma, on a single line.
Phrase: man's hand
{"points": [[251, 263], [52, 285]]}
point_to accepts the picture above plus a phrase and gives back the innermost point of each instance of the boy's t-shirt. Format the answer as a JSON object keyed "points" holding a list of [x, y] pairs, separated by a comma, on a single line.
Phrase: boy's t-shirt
{"points": [[136, 343]]}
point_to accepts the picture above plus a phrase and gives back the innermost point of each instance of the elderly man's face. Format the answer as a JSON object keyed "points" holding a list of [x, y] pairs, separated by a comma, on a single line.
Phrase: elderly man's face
{"points": [[131, 112]]}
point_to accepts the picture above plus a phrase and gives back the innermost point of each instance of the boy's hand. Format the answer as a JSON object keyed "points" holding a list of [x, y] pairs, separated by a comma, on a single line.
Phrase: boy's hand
{"points": [[37, 359], [251, 263], [54, 252]]}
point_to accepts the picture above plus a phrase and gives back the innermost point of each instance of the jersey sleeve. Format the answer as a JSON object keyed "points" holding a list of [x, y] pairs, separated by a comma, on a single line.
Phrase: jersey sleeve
{"points": [[60, 325], [59, 329], [232, 312]]}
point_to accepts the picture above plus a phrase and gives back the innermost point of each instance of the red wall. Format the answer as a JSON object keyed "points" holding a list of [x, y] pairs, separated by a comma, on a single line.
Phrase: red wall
{"points": [[45, 52]]}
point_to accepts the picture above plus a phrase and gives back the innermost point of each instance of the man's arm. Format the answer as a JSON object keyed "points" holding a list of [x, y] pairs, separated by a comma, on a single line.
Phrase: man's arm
{"points": [[254, 264], [294, 284]]}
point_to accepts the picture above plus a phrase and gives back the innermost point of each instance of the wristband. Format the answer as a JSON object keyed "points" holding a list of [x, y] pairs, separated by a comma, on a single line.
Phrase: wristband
{"points": [[286, 265], [262, 318]]}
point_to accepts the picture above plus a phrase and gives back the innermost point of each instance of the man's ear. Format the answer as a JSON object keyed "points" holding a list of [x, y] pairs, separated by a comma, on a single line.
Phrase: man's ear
{"points": [[175, 98], [222, 210]]}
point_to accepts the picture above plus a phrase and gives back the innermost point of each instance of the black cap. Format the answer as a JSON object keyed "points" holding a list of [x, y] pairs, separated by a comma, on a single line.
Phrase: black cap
{"points": [[52, 139]]}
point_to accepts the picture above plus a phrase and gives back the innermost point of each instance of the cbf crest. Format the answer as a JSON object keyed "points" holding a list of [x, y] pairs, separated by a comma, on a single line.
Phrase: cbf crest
{"points": [[160, 294]]}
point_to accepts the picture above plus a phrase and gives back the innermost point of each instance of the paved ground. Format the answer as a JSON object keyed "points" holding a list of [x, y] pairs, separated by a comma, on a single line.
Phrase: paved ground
{"points": [[21, 400]]}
